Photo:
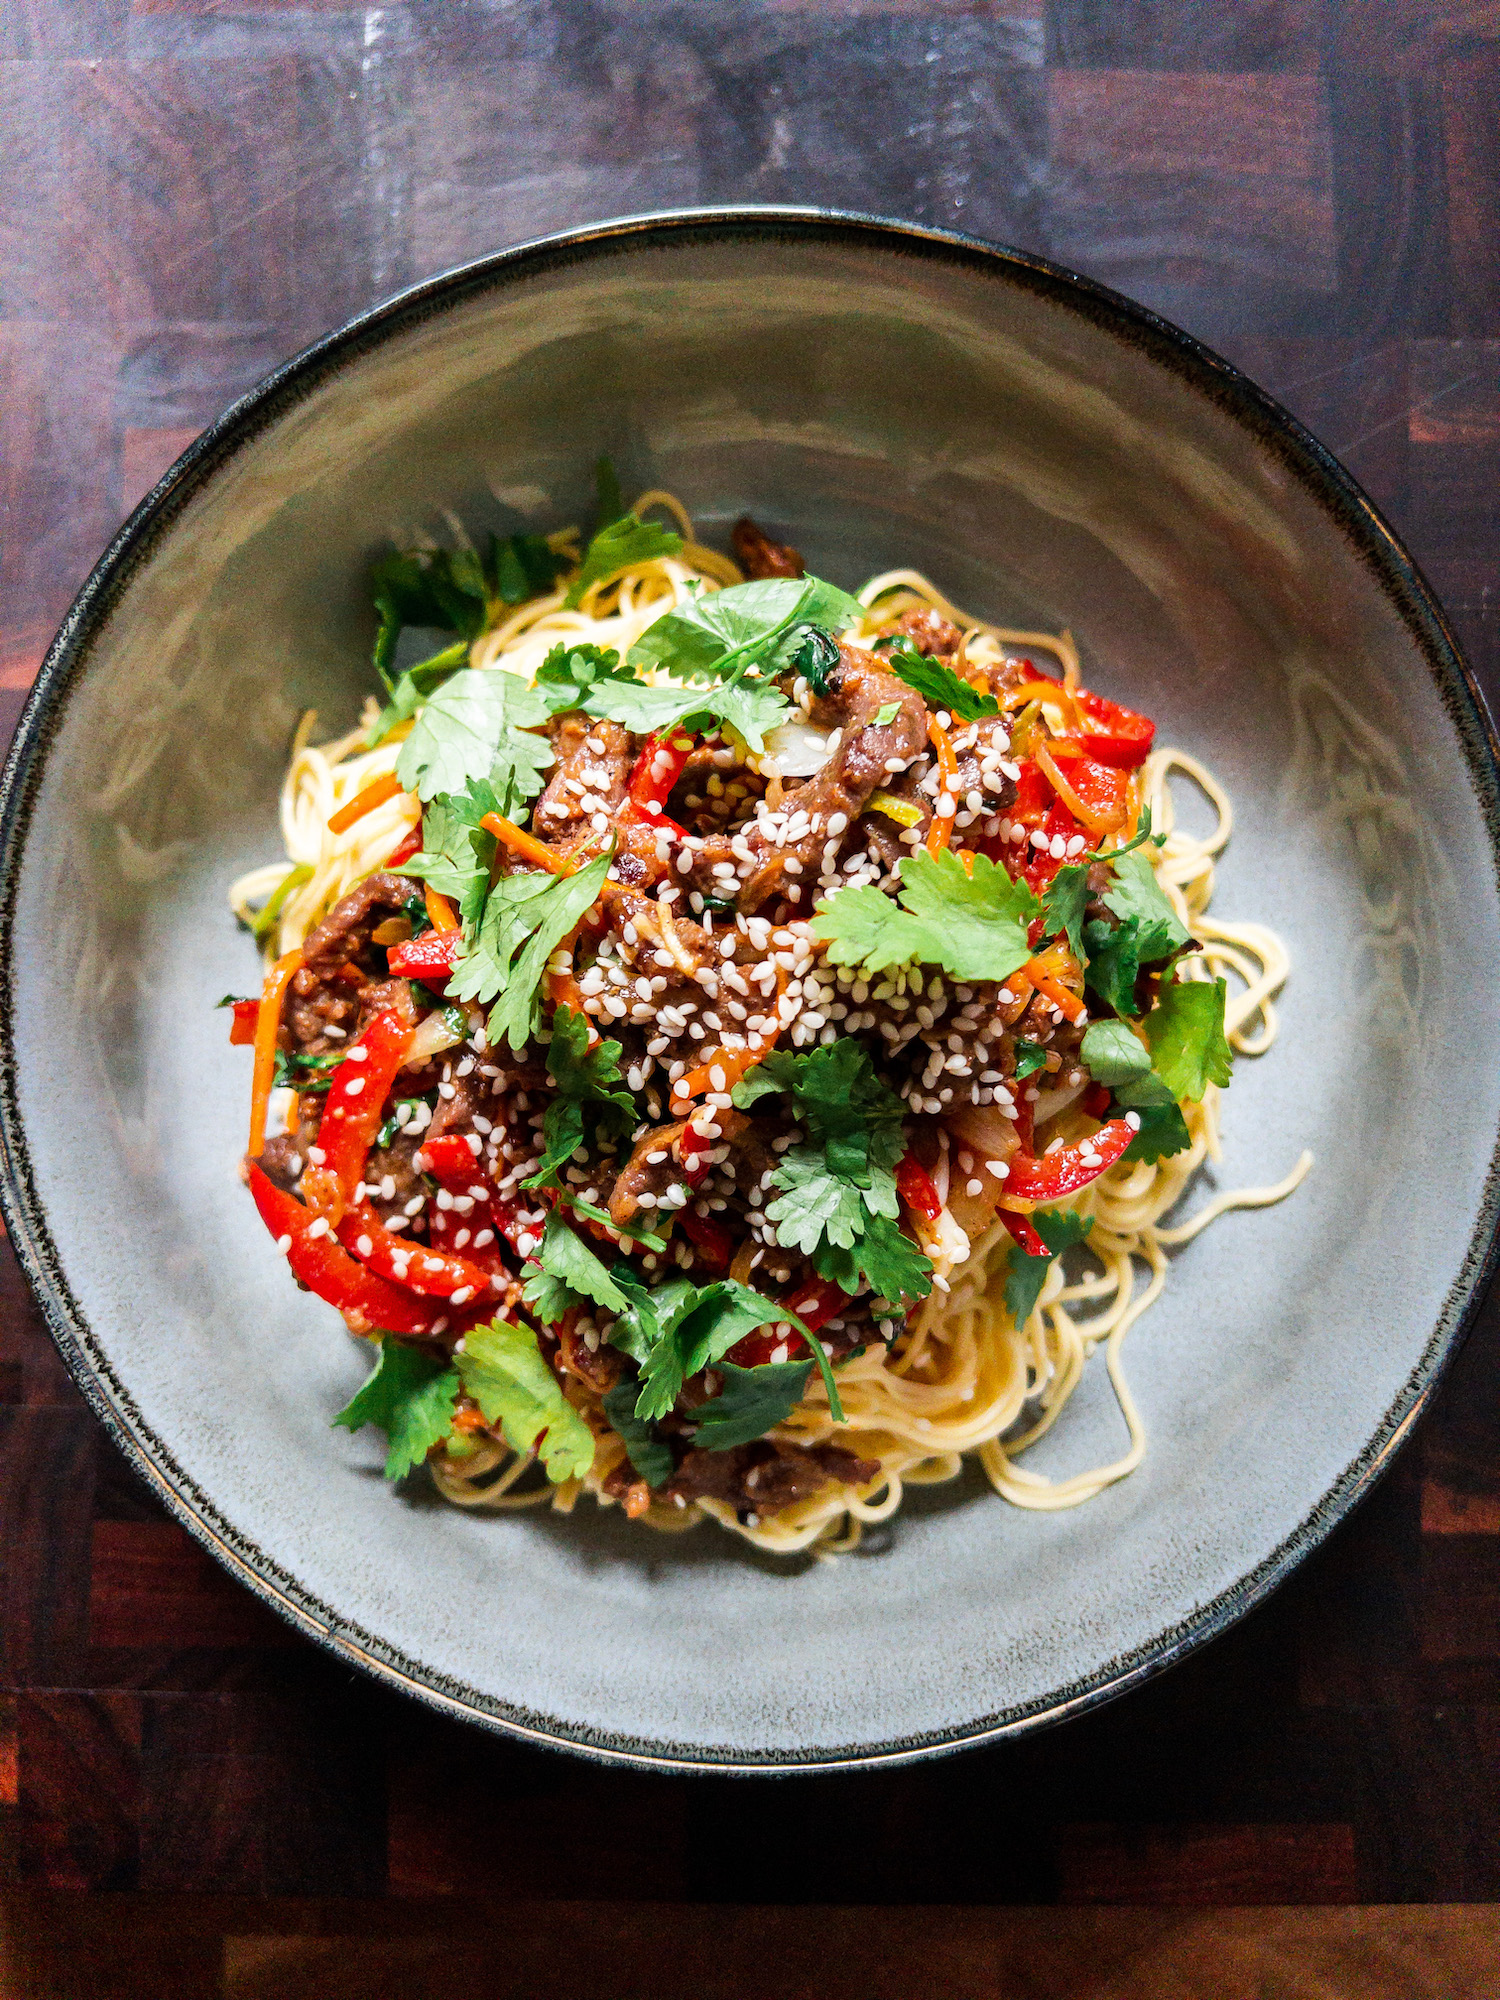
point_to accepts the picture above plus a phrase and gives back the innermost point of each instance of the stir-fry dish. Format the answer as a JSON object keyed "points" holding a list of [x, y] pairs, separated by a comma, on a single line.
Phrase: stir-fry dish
{"points": [[729, 1044]]}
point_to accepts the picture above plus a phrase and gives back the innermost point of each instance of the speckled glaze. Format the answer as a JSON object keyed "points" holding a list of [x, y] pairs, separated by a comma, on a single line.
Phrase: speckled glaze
{"points": [[1052, 455]]}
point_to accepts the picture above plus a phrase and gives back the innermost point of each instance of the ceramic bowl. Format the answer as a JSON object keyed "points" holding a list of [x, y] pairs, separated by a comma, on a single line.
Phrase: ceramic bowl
{"points": [[1052, 455]]}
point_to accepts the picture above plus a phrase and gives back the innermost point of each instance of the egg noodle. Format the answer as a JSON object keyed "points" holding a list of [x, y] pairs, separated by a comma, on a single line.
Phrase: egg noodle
{"points": [[961, 1377]]}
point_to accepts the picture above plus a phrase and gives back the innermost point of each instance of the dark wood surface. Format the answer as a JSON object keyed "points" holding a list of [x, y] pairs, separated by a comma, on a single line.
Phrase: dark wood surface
{"points": [[192, 1801]]}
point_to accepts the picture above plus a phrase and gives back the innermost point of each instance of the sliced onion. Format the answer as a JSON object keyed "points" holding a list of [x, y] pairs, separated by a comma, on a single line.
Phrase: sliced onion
{"points": [[1050, 1102], [433, 1035], [800, 749]]}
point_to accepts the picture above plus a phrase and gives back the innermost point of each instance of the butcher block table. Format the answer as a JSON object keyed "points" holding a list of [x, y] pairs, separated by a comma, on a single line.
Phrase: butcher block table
{"points": [[193, 1801]]}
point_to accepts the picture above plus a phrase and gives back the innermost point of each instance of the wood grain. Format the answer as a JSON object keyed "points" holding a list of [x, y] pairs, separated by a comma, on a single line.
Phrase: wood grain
{"points": [[194, 1802]]}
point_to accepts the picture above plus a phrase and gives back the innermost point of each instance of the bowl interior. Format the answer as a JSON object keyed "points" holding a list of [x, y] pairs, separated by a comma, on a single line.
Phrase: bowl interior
{"points": [[881, 402]]}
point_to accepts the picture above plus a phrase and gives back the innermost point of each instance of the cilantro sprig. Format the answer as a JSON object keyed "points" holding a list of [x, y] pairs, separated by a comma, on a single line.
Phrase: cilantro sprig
{"points": [[586, 1095], [411, 1397], [974, 927], [1025, 1275], [939, 686], [526, 917]]}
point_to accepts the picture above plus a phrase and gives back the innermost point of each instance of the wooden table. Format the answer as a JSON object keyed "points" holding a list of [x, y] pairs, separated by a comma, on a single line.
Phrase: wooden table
{"points": [[195, 1802]]}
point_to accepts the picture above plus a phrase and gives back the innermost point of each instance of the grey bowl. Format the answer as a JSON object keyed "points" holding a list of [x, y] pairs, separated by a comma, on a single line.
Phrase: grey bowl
{"points": [[1052, 454]]}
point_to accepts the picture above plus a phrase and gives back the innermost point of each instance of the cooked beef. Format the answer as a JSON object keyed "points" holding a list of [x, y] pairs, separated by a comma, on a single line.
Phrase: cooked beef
{"points": [[758, 556], [340, 962], [765, 1477], [930, 633], [857, 691], [646, 1173], [585, 781]]}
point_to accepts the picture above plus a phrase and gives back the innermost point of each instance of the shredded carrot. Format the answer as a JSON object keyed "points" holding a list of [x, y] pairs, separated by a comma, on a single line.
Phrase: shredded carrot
{"points": [[941, 830], [267, 1027], [374, 794], [440, 910], [527, 845], [1058, 994]]}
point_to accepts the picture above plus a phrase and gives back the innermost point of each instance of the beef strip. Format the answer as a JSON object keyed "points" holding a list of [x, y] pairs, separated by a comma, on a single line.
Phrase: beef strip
{"points": [[857, 691], [928, 632], [641, 1174], [758, 556], [764, 1477], [339, 961], [581, 773]]}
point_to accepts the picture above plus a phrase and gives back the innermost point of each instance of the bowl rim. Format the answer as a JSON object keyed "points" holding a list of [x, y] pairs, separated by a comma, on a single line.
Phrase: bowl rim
{"points": [[1199, 368]]}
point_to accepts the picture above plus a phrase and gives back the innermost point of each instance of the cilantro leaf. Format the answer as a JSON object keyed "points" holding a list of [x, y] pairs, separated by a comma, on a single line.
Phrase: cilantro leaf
{"points": [[410, 1397], [443, 589], [751, 1402], [618, 545], [1063, 904], [1066, 898], [1030, 1057], [414, 687], [1163, 1128], [651, 1457], [939, 686], [740, 624], [1137, 894], [502, 1368], [813, 652], [592, 679], [1185, 1028], [841, 1100], [476, 726], [1113, 1055], [817, 1203], [882, 1257], [973, 927], [1114, 962], [568, 1260], [646, 1313], [457, 854], [1025, 1276], [700, 1328], [887, 712], [525, 918], [584, 1095], [524, 566]]}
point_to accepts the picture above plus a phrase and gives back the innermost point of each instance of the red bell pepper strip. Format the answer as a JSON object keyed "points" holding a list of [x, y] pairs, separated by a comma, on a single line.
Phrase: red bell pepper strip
{"points": [[657, 770], [1040, 864], [430, 1272], [243, 1022], [711, 1240], [366, 1300], [360, 1086], [429, 957], [1070, 1167], [452, 1163], [1115, 735], [815, 1302], [1102, 787], [915, 1187], [1031, 1244]]}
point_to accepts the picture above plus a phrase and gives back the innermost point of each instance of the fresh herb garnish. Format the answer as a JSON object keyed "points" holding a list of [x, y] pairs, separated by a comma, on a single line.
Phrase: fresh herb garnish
{"points": [[684, 1330], [478, 726], [502, 1368], [1189, 1049], [1113, 1054], [939, 686], [1067, 894], [973, 927], [619, 545], [1030, 1057], [728, 632], [813, 652], [592, 679], [525, 918], [304, 1073], [585, 1095], [1163, 1129], [1059, 1230], [523, 566], [838, 1201], [441, 589], [415, 686], [751, 1402], [457, 854], [410, 1397], [648, 1452], [611, 503], [885, 714], [568, 1273]]}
